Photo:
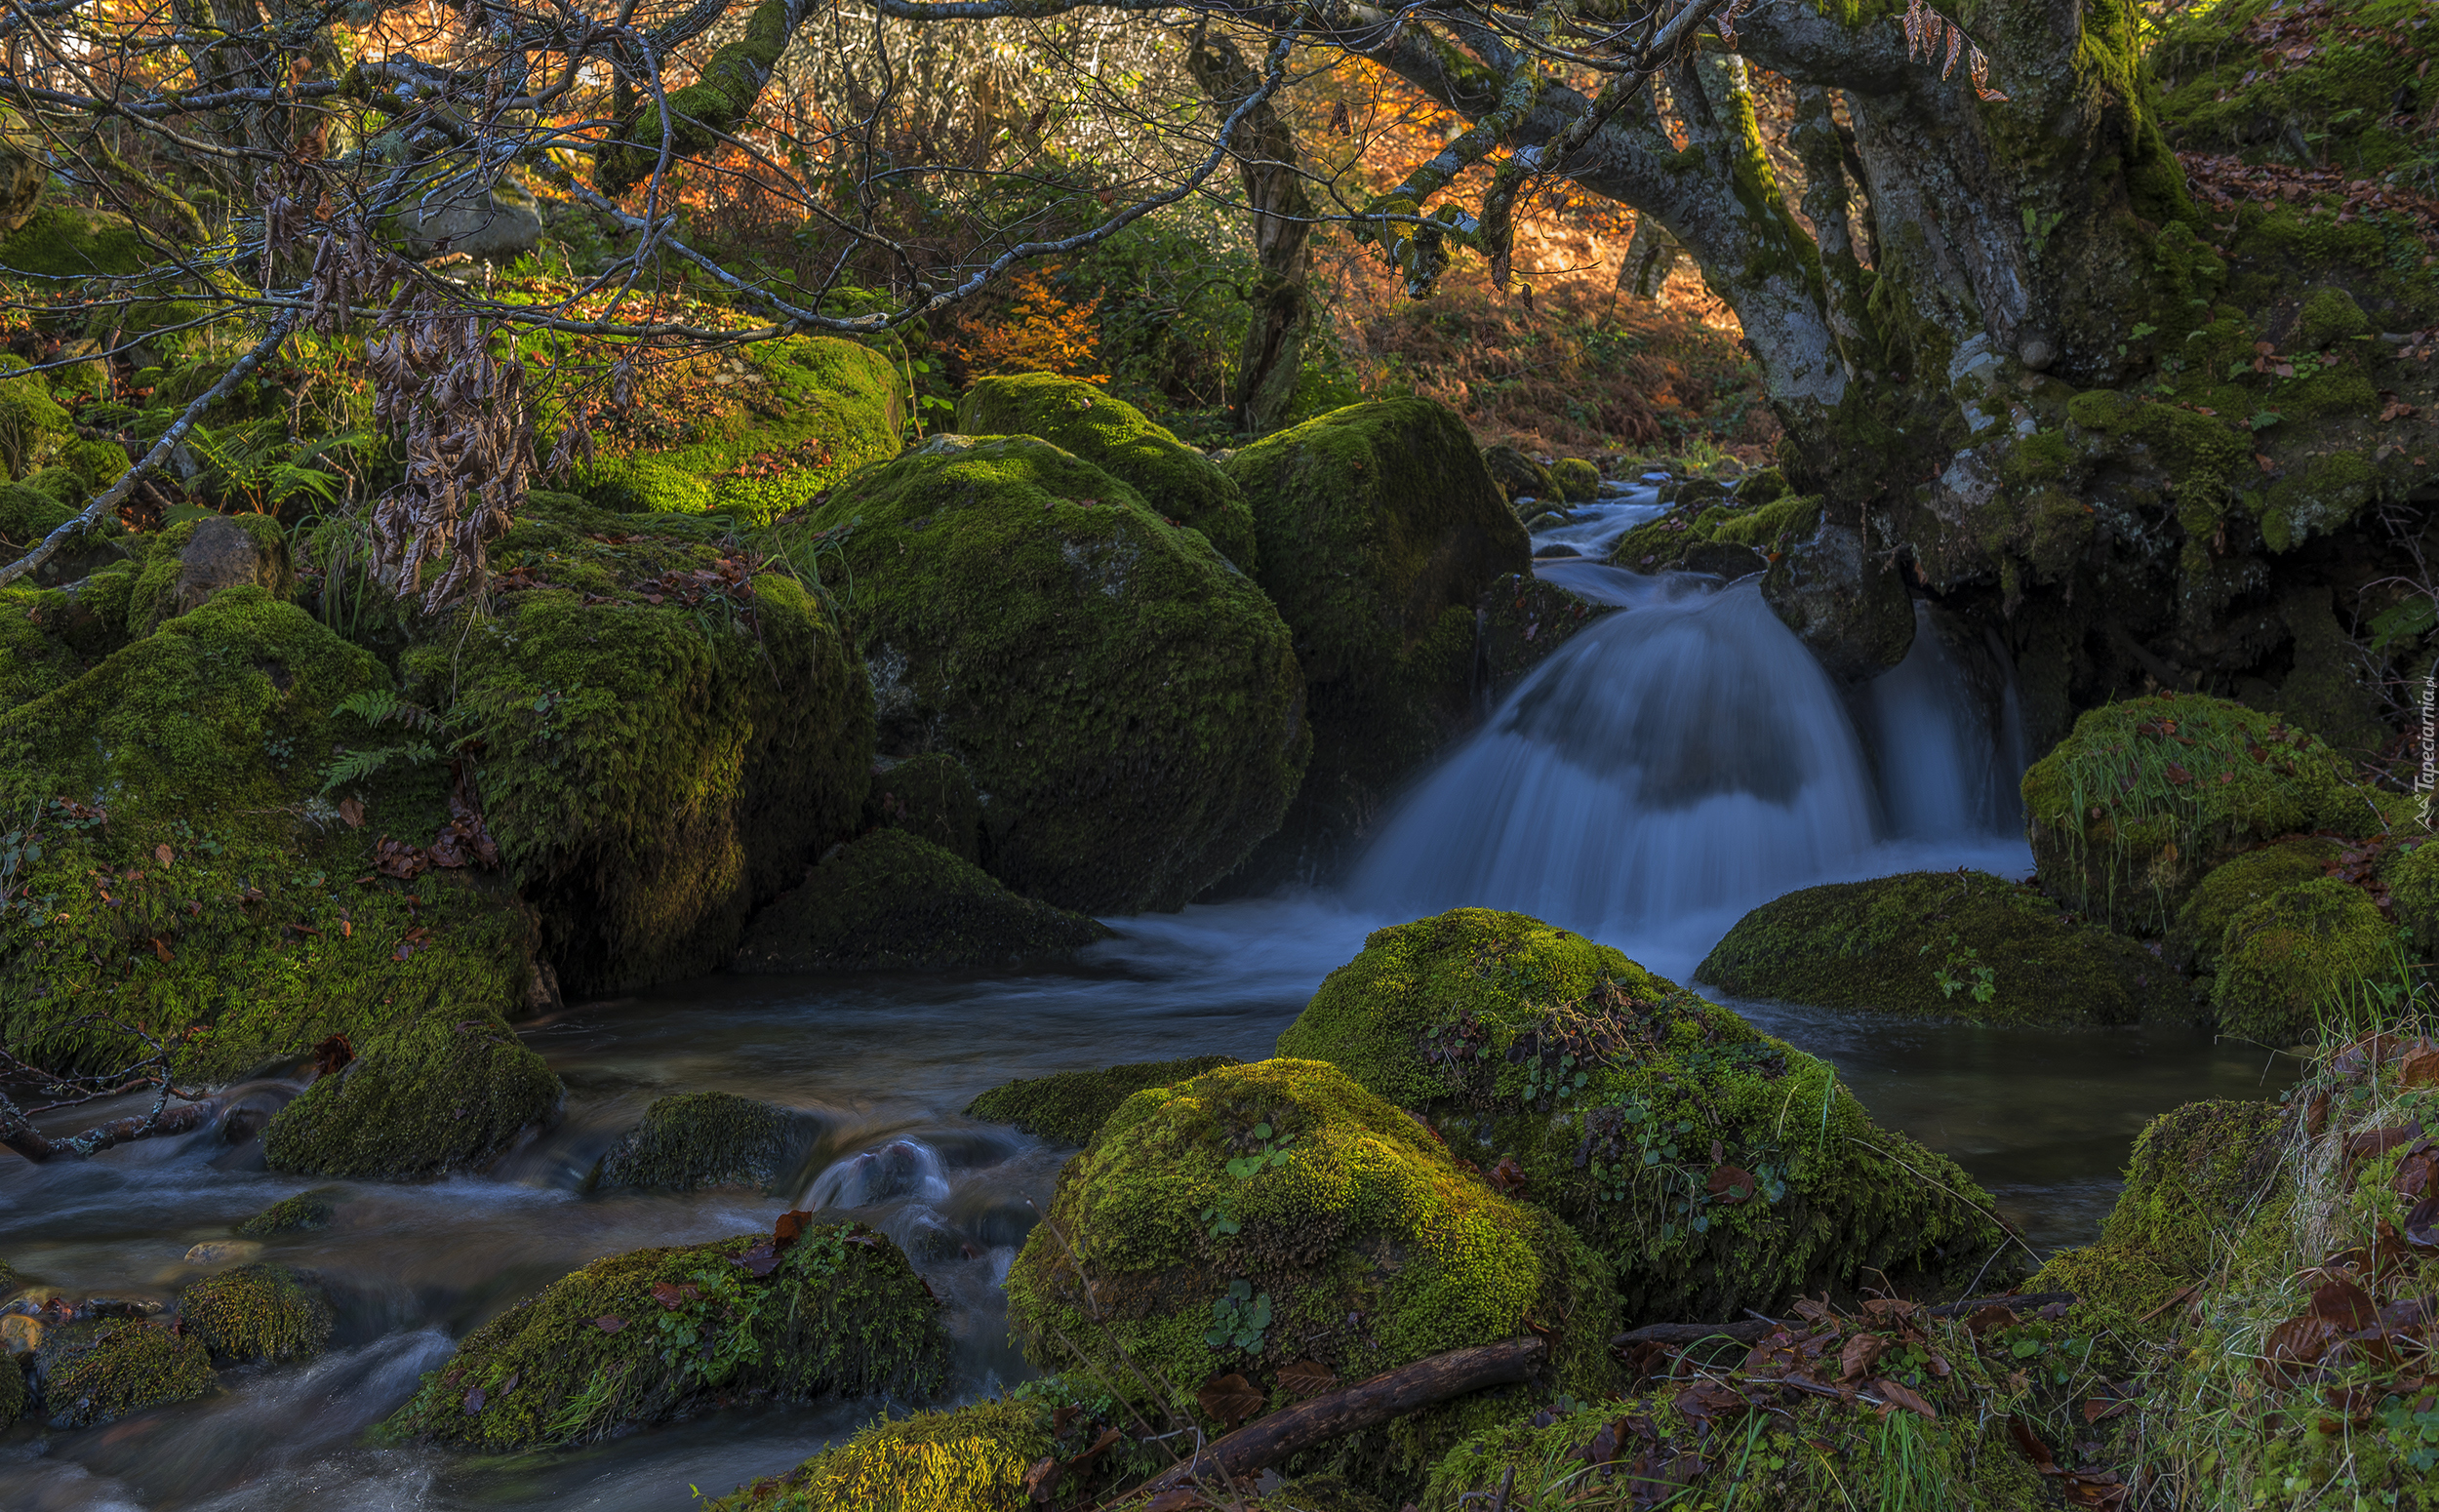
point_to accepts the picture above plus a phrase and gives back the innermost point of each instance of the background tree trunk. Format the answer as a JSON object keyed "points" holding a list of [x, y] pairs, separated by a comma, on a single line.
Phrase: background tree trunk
{"points": [[1268, 162]]}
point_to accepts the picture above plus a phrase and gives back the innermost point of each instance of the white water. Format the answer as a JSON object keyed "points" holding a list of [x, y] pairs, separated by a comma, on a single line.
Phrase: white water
{"points": [[1686, 759]]}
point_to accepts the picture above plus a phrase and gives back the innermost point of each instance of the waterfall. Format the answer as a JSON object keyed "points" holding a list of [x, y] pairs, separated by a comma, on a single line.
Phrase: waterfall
{"points": [[1687, 756]]}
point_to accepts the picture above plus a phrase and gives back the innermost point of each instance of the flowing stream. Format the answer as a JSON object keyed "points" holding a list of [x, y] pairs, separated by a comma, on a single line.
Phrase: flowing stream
{"points": [[1677, 763]]}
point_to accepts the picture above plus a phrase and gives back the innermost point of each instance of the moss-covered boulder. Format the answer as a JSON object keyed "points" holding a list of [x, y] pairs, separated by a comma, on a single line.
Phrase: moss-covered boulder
{"points": [[931, 797], [1961, 942], [13, 1393], [2300, 958], [194, 877], [1071, 1106], [1655, 1122], [99, 1371], [971, 1459], [890, 899], [670, 730], [1845, 600], [2256, 78], [256, 1312], [709, 1139], [2131, 810], [643, 1337], [1127, 700], [32, 426], [2236, 885], [1578, 481], [1757, 516], [1518, 475], [2412, 876], [1379, 530], [752, 432], [1277, 1214], [298, 1215], [58, 242], [194, 560], [1176, 481], [36, 655]]}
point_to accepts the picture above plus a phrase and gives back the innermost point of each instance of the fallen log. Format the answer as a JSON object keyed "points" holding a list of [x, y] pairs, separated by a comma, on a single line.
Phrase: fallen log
{"points": [[1367, 1404], [17, 1132], [1752, 1331]]}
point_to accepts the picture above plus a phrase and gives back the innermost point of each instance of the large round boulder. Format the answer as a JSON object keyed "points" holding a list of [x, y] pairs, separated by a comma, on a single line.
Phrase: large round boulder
{"points": [[1660, 1124], [2131, 810], [1379, 530], [1278, 1224], [1961, 942], [890, 899], [1183, 485], [2300, 963], [1127, 701]]}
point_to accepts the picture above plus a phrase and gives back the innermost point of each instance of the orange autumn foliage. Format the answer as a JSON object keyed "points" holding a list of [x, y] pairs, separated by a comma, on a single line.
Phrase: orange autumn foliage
{"points": [[1037, 332]]}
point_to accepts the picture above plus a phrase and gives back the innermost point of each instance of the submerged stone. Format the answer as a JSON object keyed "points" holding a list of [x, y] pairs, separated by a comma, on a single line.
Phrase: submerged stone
{"points": [[893, 901], [1264, 1219], [99, 1371], [654, 1335], [1655, 1122], [1962, 942], [256, 1312], [1127, 701], [304, 1211], [709, 1139], [1176, 481], [1071, 1106]]}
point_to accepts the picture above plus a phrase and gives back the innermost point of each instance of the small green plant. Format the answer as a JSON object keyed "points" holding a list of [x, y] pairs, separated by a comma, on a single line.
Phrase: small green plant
{"points": [[378, 707], [710, 1334], [1271, 1150], [2038, 228], [1963, 972], [1239, 1319]]}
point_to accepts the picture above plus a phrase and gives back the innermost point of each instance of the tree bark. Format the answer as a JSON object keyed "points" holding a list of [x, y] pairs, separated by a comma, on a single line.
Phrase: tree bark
{"points": [[1272, 168], [1367, 1404]]}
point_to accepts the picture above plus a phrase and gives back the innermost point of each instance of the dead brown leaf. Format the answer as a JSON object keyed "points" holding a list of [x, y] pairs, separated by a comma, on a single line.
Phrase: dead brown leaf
{"points": [[1229, 1398], [1306, 1377]]}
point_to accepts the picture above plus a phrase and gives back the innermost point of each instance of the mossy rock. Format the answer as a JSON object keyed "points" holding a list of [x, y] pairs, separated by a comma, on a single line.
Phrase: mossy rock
{"points": [[99, 1371], [442, 1094], [1176, 481], [2353, 90], [709, 1139], [1921, 943], [256, 1312], [1809, 1454], [63, 242], [1262, 1215], [1770, 523], [806, 411], [1069, 1106], [12, 1394], [2145, 796], [1127, 699], [2300, 958], [2238, 884], [28, 515], [35, 654], [1578, 481], [194, 560], [1518, 475], [2412, 878], [1652, 1120], [183, 769], [31, 420], [892, 900], [842, 1315], [972, 1458], [1379, 530], [656, 764], [931, 797], [298, 1215]]}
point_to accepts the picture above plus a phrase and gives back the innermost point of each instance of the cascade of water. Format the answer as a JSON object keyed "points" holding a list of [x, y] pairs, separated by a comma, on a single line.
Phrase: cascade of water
{"points": [[1948, 747]]}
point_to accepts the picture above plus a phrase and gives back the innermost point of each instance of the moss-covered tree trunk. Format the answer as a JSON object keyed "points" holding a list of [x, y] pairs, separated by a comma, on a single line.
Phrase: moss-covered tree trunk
{"points": [[1263, 391]]}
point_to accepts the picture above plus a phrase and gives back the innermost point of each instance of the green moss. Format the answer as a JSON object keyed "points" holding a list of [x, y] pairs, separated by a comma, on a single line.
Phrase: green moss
{"points": [[440, 1094], [655, 765], [2352, 93], [1379, 530], [2412, 879], [596, 1354], [963, 1459], [237, 550], [1519, 476], [1578, 481], [35, 656], [1129, 702], [1621, 1098], [891, 900], [1263, 1214], [32, 426], [97, 1372], [60, 242], [2320, 500], [931, 797], [1803, 1455], [806, 411], [1068, 1107], [300, 1214], [1176, 481], [256, 1312], [2127, 814], [2231, 887], [708, 1138], [2295, 957], [1770, 528], [12, 1393], [1921, 943]]}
